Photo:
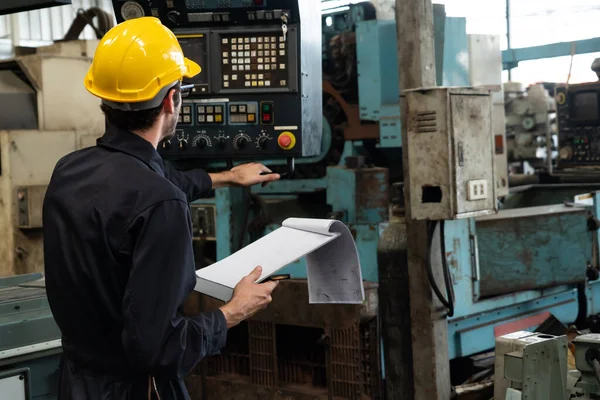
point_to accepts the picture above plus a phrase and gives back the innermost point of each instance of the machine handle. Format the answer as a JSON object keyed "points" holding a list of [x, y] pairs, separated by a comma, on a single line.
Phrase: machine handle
{"points": [[291, 169], [475, 257]]}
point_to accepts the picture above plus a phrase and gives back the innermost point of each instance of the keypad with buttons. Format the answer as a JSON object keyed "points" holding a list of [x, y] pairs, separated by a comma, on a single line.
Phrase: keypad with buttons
{"points": [[185, 115], [208, 114], [243, 113], [254, 62]]}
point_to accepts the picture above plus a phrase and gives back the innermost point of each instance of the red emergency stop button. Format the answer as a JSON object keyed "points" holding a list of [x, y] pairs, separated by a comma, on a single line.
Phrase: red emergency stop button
{"points": [[286, 140]]}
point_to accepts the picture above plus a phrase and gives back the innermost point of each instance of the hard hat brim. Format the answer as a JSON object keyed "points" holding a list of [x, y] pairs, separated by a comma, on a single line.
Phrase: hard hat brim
{"points": [[192, 68]]}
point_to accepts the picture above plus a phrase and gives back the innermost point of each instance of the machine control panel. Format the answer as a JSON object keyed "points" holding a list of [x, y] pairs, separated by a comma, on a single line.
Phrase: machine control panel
{"points": [[259, 95], [578, 113]]}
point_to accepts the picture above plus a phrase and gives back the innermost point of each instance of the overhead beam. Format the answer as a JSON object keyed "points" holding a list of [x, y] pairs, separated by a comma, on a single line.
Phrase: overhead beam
{"points": [[512, 57], [17, 6]]}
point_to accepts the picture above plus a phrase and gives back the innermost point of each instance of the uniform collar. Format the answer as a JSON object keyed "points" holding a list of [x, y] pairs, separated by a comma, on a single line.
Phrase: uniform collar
{"points": [[127, 142]]}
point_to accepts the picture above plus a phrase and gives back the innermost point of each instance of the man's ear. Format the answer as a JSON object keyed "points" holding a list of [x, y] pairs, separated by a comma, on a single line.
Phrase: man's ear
{"points": [[169, 104]]}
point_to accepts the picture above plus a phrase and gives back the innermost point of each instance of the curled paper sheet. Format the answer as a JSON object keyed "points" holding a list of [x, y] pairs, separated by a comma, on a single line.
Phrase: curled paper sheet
{"points": [[333, 268]]}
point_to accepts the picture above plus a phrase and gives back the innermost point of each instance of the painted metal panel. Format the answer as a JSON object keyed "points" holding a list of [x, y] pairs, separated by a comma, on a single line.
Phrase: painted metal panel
{"points": [[532, 250]]}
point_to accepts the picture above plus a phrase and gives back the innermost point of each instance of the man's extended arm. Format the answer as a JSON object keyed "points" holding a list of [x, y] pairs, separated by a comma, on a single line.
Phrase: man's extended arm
{"points": [[158, 338], [197, 183]]}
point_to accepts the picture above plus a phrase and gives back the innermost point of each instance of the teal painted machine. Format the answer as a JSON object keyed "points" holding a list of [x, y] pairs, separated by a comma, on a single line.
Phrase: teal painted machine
{"points": [[509, 271]]}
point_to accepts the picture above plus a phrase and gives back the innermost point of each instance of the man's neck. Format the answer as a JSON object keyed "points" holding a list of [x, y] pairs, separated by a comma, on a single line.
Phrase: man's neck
{"points": [[151, 135]]}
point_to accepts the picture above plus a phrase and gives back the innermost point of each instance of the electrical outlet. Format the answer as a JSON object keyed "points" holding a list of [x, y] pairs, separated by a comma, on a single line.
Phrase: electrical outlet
{"points": [[477, 190]]}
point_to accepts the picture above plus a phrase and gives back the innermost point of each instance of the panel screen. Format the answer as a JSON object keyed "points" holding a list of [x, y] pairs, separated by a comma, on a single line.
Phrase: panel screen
{"points": [[195, 48], [255, 61], [584, 106]]}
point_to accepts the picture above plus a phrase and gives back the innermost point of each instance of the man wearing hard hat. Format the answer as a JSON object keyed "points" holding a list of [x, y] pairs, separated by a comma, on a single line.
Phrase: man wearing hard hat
{"points": [[118, 234]]}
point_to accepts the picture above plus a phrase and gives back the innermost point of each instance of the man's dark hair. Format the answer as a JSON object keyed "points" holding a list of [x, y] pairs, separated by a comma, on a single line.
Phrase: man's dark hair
{"points": [[137, 120]]}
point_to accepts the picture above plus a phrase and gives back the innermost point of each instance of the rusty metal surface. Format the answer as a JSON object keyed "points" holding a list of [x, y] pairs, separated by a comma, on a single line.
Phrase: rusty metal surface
{"points": [[290, 306], [533, 251], [294, 350], [353, 130]]}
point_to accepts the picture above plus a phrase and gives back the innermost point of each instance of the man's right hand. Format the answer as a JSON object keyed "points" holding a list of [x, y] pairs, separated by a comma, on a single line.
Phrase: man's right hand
{"points": [[248, 298]]}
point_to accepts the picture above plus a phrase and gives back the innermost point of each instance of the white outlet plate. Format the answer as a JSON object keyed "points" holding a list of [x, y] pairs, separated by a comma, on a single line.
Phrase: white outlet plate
{"points": [[477, 190]]}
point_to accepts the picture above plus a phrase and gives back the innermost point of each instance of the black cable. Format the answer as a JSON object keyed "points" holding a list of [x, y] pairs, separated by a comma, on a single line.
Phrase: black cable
{"points": [[449, 304]]}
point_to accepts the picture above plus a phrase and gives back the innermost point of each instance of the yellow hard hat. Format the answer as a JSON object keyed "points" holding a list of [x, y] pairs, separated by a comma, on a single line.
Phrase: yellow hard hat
{"points": [[136, 63]]}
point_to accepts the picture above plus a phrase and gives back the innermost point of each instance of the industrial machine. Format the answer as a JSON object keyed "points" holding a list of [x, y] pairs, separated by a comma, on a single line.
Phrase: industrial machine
{"points": [[505, 268], [538, 367], [578, 109], [530, 128]]}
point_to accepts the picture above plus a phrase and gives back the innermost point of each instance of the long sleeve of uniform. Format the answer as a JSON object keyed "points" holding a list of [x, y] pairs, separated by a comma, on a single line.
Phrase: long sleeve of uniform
{"points": [[195, 183], [156, 336]]}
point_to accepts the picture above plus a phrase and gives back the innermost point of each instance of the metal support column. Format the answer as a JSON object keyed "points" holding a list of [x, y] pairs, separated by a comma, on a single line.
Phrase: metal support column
{"points": [[429, 329]]}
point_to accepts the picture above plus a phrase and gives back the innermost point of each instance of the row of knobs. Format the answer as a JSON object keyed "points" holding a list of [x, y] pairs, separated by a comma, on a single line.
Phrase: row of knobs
{"points": [[240, 143]]}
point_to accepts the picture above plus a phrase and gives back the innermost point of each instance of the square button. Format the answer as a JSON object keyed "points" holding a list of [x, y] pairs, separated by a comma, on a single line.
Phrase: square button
{"points": [[282, 52], [218, 118], [225, 41], [210, 109], [247, 84], [234, 46], [247, 68], [187, 109], [179, 118], [201, 110], [254, 83], [243, 109], [260, 67], [246, 40], [261, 83], [281, 66], [267, 83], [247, 76], [234, 40], [267, 67], [201, 118], [187, 119], [226, 84], [233, 109], [225, 77], [252, 108], [219, 109], [251, 117], [209, 118], [234, 68]]}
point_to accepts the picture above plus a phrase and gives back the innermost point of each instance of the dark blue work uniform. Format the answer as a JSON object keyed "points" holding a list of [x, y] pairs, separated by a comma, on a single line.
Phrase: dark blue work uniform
{"points": [[119, 265]]}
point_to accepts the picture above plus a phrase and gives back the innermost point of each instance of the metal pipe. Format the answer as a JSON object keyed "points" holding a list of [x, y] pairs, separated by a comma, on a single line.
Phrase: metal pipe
{"points": [[508, 34]]}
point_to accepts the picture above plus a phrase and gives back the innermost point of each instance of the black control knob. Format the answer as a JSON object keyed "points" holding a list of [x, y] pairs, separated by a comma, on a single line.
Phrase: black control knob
{"points": [[202, 143], [241, 142], [221, 142], [183, 144], [166, 144], [173, 17], [262, 142]]}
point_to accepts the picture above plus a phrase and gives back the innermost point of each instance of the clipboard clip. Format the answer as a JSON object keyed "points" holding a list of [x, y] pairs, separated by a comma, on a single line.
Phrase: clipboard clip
{"points": [[282, 277]]}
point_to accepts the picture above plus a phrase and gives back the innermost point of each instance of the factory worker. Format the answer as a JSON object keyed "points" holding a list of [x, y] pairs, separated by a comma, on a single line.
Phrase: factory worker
{"points": [[118, 233]]}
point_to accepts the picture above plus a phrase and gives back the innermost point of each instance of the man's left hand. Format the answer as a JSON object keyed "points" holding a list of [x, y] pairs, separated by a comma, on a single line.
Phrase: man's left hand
{"points": [[250, 175]]}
